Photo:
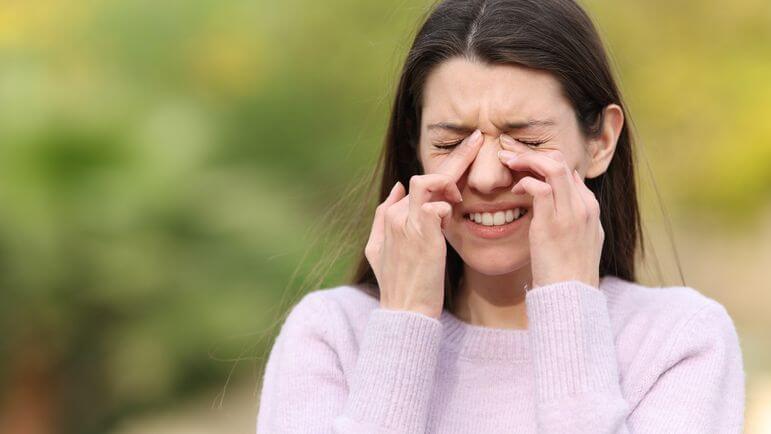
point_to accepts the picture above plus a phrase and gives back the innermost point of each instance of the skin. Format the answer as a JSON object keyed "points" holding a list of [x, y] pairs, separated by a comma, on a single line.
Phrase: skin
{"points": [[561, 238]]}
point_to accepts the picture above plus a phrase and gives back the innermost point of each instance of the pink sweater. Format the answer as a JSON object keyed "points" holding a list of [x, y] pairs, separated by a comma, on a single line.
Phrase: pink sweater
{"points": [[623, 358]]}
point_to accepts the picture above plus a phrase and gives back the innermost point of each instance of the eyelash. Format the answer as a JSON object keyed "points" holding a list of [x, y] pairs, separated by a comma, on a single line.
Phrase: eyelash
{"points": [[458, 142]]}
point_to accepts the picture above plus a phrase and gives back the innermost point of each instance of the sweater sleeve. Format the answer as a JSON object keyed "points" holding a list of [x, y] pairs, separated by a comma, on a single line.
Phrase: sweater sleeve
{"points": [[577, 377], [702, 387], [305, 390]]}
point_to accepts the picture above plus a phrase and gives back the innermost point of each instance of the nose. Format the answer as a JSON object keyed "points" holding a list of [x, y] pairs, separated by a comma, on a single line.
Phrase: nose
{"points": [[487, 173]]}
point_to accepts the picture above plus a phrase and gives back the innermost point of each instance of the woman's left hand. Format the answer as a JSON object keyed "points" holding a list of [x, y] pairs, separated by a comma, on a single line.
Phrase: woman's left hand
{"points": [[565, 234]]}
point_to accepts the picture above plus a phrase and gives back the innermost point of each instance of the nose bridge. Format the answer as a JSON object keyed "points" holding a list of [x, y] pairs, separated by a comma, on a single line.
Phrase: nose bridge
{"points": [[487, 173]]}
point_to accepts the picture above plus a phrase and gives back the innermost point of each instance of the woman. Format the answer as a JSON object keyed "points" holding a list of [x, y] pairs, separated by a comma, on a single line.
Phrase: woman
{"points": [[498, 292]]}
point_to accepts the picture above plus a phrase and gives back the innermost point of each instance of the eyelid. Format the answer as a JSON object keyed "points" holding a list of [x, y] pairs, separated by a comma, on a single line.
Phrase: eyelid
{"points": [[531, 142], [450, 144]]}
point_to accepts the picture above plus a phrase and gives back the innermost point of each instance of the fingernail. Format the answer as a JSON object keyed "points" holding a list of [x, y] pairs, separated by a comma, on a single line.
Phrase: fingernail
{"points": [[507, 140], [458, 195], [506, 155], [475, 136]]}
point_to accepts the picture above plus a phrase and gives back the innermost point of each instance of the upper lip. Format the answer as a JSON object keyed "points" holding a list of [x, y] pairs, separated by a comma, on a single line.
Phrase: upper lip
{"points": [[493, 207]]}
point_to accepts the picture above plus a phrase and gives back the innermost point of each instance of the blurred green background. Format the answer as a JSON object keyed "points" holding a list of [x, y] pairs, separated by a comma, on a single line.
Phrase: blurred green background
{"points": [[166, 165]]}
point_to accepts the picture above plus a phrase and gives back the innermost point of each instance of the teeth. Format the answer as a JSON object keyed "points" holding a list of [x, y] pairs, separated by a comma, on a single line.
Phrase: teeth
{"points": [[498, 218]]}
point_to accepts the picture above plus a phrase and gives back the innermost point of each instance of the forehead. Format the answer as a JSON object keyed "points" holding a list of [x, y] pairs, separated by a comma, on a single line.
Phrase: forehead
{"points": [[479, 93]]}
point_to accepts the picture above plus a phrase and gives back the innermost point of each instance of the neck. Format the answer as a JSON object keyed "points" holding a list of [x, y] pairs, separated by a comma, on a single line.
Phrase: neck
{"points": [[493, 301]]}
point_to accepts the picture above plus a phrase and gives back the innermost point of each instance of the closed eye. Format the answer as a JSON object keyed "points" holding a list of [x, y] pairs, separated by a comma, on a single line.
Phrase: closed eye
{"points": [[531, 142], [450, 145]]}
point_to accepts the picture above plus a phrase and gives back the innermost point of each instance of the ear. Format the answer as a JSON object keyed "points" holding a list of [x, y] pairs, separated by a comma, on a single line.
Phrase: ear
{"points": [[602, 147]]}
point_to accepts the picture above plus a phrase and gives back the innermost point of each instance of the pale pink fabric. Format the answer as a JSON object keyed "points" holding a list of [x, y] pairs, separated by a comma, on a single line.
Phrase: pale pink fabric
{"points": [[619, 359]]}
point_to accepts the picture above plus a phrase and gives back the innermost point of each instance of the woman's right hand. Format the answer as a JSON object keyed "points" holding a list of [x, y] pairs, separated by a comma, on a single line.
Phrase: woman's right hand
{"points": [[406, 247]]}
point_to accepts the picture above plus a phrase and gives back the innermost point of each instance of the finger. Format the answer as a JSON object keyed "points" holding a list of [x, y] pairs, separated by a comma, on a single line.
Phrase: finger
{"points": [[435, 212], [461, 157], [555, 173], [396, 216], [543, 200], [579, 199], [378, 225], [446, 176], [424, 187], [592, 204]]}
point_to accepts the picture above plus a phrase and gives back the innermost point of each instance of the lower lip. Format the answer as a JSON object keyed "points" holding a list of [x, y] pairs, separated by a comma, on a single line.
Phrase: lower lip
{"points": [[493, 232]]}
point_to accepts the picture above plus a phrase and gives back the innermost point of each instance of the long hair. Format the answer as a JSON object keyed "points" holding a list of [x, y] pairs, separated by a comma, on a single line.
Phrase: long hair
{"points": [[556, 36]]}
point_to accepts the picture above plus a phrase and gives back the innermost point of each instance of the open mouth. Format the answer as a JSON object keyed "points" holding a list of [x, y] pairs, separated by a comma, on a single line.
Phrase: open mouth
{"points": [[498, 218]]}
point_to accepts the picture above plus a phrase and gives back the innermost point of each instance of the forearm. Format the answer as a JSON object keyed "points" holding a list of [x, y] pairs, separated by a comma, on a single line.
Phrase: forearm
{"points": [[391, 386], [574, 360]]}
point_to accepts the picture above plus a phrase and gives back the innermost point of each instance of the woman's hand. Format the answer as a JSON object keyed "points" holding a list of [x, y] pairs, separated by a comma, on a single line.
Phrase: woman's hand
{"points": [[565, 232], [406, 246]]}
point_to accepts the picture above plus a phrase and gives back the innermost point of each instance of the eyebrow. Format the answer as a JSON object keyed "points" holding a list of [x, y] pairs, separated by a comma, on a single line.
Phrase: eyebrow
{"points": [[517, 125]]}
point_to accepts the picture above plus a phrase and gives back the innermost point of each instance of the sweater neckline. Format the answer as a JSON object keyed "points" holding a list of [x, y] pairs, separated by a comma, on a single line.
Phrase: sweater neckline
{"points": [[478, 342], [490, 343]]}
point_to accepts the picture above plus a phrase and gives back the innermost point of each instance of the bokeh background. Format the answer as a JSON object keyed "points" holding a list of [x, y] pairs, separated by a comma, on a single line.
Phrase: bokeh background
{"points": [[167, 170]]}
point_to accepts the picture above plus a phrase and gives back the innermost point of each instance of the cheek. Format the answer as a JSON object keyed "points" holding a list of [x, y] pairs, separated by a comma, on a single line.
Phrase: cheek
{"points": [[429, 162], [572, 154], [576, 161], [424, 159], [575, 150]]}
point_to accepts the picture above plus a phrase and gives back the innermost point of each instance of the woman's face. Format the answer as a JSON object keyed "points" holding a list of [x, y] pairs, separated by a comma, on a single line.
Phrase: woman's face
{"points": [[526, 104]]}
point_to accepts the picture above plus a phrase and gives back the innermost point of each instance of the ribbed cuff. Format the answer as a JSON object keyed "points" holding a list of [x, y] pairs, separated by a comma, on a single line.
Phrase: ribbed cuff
{"points": [[572, 340], [395, 371]]}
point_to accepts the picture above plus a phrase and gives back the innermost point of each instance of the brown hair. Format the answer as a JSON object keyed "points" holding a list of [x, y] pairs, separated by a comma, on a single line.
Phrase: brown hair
{"points": [[551, 35]]}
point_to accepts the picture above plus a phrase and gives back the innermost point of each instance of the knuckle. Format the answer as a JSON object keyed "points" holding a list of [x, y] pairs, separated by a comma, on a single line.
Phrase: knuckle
{"points": [[380, 209], [594, 207], [554, 170], [543, 189], [426, 210], [391, 214], [416, 181]]}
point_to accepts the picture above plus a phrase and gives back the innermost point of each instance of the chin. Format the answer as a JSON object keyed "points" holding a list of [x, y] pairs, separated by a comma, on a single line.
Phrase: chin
{"points": [[494, 267], [495, 260]]}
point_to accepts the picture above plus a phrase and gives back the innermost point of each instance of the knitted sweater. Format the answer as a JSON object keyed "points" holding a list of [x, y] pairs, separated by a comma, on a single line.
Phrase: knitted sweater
{"points": [[620, 358]]}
